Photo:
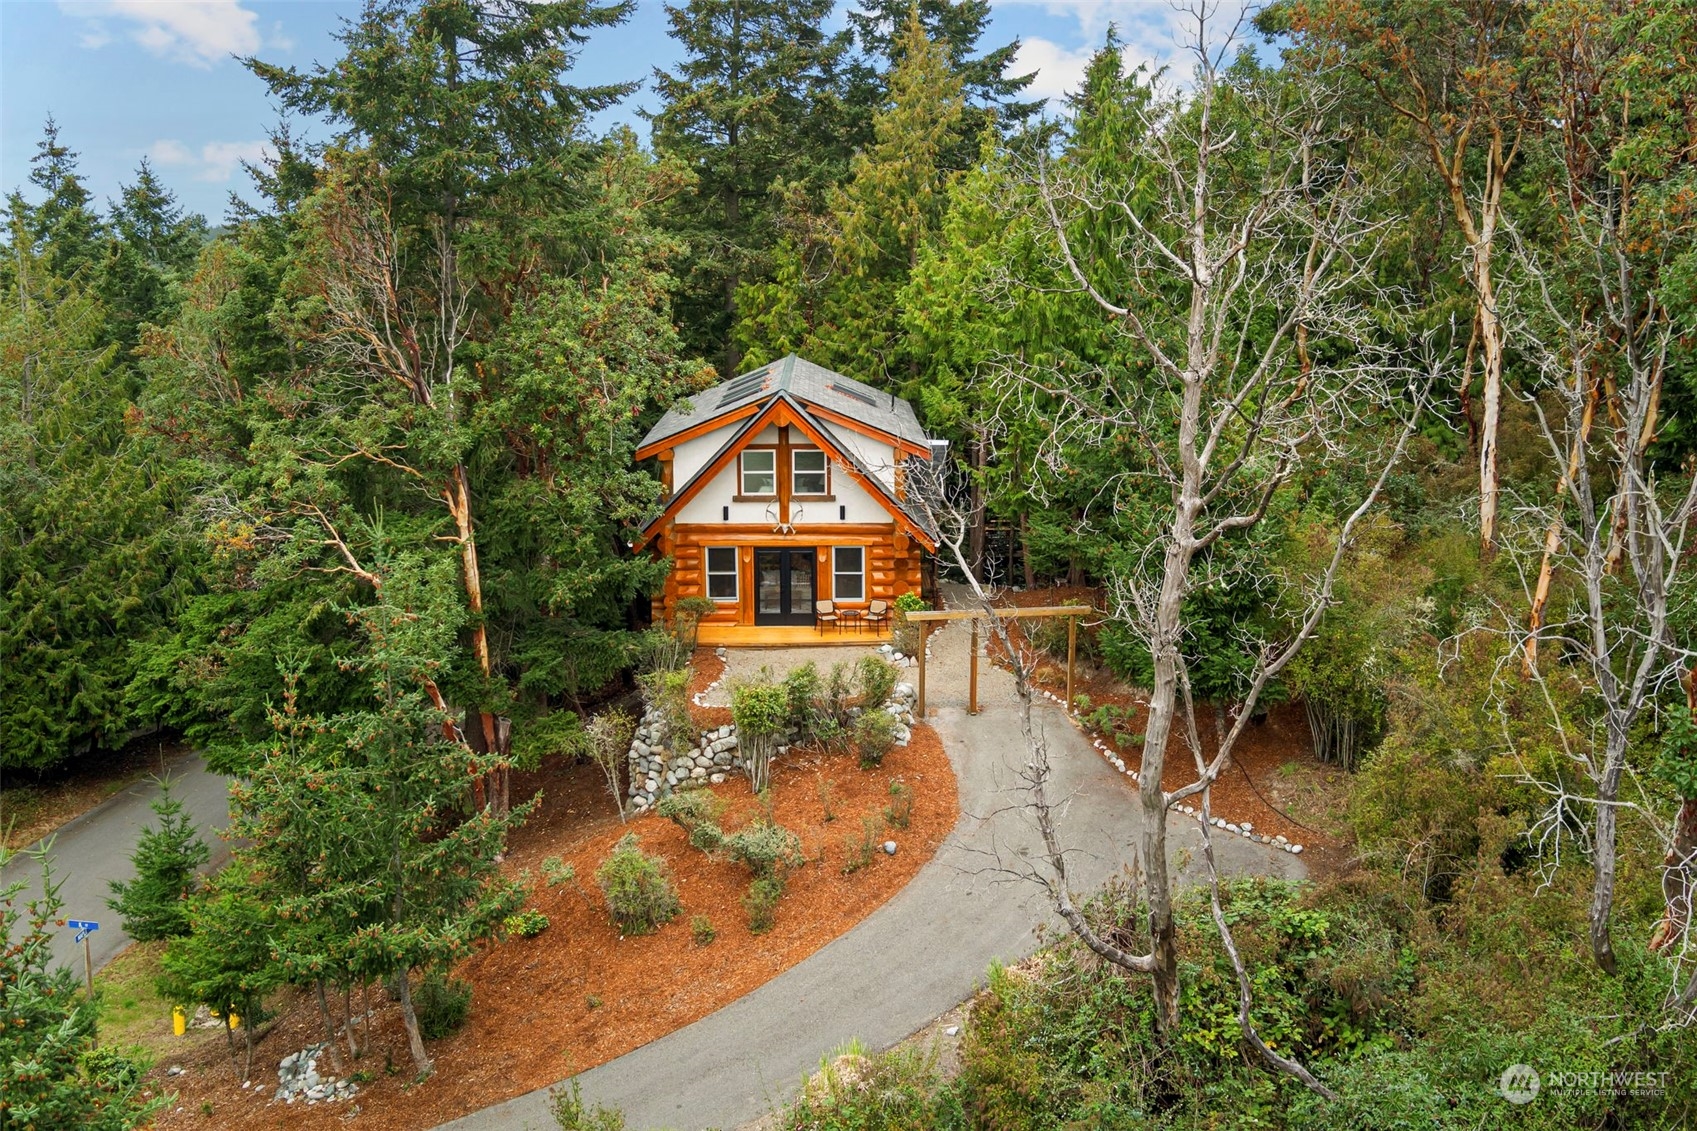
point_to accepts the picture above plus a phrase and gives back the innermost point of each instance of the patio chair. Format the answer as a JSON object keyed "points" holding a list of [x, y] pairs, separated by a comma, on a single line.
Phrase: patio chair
{"points": [[877, 615], [825, 612]]}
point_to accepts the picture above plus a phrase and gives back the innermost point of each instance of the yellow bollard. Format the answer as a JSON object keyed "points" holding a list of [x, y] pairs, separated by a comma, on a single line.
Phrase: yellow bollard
{"points": [[179, 1021], [235, 1022]]}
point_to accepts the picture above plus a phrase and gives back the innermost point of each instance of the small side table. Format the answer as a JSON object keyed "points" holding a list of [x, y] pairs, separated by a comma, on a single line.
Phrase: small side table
{"points": [[853, 617]]}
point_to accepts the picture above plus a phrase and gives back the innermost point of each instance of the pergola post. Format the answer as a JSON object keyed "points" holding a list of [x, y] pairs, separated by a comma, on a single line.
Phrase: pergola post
{"points": [[1072, 652], [924, 634], [972, 678]]}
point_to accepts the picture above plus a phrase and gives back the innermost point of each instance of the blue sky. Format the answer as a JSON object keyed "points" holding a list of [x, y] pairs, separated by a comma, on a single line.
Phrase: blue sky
{"points": [[128, 78]]}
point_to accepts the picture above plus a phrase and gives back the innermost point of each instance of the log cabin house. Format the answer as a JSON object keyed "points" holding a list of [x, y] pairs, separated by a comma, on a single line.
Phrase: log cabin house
{"points": [[784, 488]]}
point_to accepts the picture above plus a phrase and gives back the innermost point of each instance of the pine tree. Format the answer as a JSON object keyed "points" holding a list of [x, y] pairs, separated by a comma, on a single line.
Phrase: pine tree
{"points": [[881, 218], [992, 98], [62, 226], [48, 1027], [167, 860], [753, 104]]}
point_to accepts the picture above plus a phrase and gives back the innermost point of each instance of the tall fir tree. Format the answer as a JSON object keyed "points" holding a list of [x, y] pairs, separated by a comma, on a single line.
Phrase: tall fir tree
{"points": [[850, 319], [757, 101]]}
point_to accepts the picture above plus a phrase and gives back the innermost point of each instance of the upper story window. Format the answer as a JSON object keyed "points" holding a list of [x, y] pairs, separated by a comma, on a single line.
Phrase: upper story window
{"points": [[759, 471], [809, 474]]}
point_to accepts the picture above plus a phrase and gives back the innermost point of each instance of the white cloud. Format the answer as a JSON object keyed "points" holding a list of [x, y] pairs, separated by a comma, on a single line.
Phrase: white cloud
{"points": [[1154, 32], [216, 162], [197, 32], [1059, 69], [222, 160]]}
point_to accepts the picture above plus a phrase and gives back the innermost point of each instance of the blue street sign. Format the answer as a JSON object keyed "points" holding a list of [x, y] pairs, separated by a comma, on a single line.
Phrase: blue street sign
{"points": [[81, 925], [81, 935]]}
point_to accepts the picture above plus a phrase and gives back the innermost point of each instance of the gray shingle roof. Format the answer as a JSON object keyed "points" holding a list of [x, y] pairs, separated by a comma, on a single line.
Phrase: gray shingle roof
{"points": [[807, 383]]}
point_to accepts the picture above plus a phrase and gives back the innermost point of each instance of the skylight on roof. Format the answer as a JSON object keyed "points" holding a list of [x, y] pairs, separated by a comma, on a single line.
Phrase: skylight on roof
{"points": [[743, 386], [857, 394]]}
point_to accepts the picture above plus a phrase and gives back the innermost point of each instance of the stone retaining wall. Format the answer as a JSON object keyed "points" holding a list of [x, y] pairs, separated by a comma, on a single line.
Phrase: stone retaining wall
{"points": [[656, 770]]}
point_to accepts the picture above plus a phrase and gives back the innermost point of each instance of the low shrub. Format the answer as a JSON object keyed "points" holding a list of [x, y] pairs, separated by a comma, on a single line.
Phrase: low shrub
{"points": [[874, 736], [761, 903], [637, 888], [857, 851], [691, 809], [904, 634], [876, 678], [570, 1114], [901, 1090], [899, 812], [113, 1070], [827, 797], [442, 1004], [557, 872], [526, 924], [765, 848], [701, 929]]}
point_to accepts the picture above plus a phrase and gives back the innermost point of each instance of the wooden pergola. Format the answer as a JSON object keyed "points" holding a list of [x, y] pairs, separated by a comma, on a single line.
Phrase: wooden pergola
{"points": [[926, 619]]}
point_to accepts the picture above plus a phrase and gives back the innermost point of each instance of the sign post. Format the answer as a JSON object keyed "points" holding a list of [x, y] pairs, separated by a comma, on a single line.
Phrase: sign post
{"points": [[85, 928]]}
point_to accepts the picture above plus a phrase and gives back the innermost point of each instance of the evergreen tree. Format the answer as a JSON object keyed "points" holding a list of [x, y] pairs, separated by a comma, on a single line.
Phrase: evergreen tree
{"points": [[881, 218], [992, 98], [88, 559], [63, 226], [167, 859], [48, 1028], [753, 104], [358, 832]]}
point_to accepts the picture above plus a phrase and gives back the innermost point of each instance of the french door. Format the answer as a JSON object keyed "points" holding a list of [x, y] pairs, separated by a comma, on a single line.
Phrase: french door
{"points": [[784, 586]]}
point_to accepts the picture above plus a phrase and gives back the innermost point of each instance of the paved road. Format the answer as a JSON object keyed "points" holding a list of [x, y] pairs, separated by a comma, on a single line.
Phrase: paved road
{"points": [[917, 956], [94, 848]]}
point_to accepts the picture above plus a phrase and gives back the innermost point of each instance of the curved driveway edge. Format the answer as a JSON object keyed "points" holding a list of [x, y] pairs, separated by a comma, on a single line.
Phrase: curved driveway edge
{"points": [[918, 955]]}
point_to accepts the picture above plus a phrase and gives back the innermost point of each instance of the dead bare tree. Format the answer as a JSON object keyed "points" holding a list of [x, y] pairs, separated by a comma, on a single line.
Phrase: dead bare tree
{"points": [[1589, 316], [1241, 237]]}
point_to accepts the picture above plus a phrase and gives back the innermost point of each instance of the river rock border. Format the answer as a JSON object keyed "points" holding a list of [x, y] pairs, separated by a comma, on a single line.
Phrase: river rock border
{"points": [[1246, 830], [656, 770]]}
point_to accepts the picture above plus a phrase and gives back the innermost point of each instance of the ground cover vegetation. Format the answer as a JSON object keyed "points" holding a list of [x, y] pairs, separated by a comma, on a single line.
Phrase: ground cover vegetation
{"points": [[1350, 362]]}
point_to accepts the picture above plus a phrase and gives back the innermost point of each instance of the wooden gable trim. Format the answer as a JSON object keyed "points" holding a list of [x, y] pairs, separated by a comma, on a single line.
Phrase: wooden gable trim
{"points": [[782, 412], [693, 431], [800, 419], [868, 431]]}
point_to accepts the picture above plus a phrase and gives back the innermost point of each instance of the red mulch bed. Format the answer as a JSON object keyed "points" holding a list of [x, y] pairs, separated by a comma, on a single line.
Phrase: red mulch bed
{"points": [[706, 668], [1243, 792], [578, 994]]}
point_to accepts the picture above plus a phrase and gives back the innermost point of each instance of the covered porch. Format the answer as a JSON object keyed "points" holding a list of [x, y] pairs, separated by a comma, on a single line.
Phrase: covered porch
{"points": [[845, 632]]}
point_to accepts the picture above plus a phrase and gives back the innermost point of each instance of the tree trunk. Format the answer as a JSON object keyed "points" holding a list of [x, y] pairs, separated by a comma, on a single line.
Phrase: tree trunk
{"points": [[1552, 536], [331, 1045], [1603, 850], [1025, 550], [415, 1039], [1491, 345], [457, 494], [975, 533]]}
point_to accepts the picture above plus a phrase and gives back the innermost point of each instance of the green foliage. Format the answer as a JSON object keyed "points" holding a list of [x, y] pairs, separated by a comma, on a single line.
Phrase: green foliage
{"points": [[526, 924], [637, 888], [875, 678], [225, 961], [689, 809], [874, 736], [858, 851], [761, 903], [166, 860], [50, 1072], [898, 813], [442, 1003], [1677, 765], [566, 1105], [759, 710], [686, 620], [701, 929], [902, 1090], [556, 872], [667, 692], [767, 849]]}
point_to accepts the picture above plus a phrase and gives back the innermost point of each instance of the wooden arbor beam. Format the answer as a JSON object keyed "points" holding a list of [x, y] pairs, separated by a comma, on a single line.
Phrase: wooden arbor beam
{"points": [[926, 618]]}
